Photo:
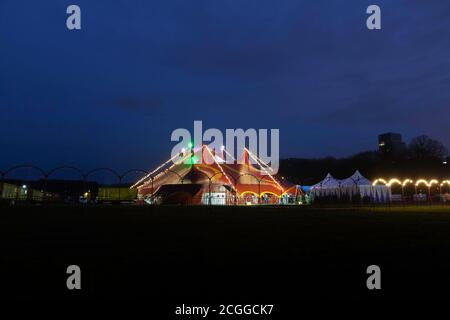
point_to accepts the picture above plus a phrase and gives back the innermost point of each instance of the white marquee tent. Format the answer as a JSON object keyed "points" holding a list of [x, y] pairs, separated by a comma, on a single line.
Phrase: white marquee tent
{"points": [[354, 185], [358, 184], [329, 186]]}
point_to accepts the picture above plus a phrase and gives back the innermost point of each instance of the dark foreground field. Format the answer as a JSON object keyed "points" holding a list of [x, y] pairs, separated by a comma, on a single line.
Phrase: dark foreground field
{"points": [[226, 255]]}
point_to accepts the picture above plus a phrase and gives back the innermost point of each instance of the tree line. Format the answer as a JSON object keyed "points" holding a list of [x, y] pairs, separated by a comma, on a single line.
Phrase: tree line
{"points": [[423, 157]]}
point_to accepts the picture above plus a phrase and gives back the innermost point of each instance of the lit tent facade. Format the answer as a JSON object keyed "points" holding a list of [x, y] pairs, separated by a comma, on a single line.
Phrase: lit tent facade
{"points": [[186, 179]]}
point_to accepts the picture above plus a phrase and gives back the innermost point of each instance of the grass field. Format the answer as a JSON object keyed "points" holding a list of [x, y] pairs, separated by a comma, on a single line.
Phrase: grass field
{"points": [[225, 253]]}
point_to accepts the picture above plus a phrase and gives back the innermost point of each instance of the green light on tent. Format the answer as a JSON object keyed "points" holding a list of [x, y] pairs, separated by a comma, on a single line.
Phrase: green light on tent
{"points": [[193, 160], [190, 145]]}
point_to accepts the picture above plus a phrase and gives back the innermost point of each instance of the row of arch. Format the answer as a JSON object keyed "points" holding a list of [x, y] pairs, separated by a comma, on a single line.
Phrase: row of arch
{"points": [[408, 183], [84, 176], [405, 182], [46, 175]]}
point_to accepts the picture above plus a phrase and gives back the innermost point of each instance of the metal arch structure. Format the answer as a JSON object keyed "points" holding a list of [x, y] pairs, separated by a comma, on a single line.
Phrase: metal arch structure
{"points": [[103, 169], [107, 170], [81, 173], [25, 166], [124, 174], [133, 170], [67, 167]]}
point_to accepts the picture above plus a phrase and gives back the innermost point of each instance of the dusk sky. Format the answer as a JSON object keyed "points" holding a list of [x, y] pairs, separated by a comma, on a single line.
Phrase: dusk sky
{"points": [[111, 93]]}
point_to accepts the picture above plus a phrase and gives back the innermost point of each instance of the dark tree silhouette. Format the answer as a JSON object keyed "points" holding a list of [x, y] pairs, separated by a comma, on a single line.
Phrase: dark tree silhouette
{"points": [[424, 148]]}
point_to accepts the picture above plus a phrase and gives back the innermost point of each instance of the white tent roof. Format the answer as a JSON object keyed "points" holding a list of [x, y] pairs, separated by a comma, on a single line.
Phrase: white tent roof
{"points": [[357, 179], [356, 184], [328, 182]]}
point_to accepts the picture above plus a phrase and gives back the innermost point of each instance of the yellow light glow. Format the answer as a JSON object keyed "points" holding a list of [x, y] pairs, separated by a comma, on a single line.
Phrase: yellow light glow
{"points": [[447, 182], [406, 181], [392, 181], [249, 192], [379, 181], [422, 181], [269, 192]]}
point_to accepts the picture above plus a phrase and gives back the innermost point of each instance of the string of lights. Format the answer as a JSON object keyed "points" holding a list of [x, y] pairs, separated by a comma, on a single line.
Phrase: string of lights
{"points": [[255, 158], [417, 183], [220, 167], [157, 169], [261, 163]]}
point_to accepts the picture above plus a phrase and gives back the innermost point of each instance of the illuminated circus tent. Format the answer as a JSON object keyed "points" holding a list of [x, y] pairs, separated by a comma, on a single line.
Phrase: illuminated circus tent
{"points": [[199, 175]]}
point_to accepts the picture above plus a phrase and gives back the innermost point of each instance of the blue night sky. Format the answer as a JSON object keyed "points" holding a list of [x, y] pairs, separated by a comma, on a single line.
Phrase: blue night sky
{"points": [[112, 93]]}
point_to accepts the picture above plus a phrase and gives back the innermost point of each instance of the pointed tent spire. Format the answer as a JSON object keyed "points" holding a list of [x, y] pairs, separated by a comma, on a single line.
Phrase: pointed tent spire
{"points": [[328, 182], [245, 158], [356, 179]]}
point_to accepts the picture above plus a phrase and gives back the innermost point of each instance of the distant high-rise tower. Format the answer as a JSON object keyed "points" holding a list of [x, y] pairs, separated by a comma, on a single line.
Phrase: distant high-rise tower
{"points": [[391, 144]]}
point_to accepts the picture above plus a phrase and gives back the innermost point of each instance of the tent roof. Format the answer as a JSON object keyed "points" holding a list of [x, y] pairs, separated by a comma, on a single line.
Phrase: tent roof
{"points": [[238, 175], [328, 182], [357, 179]]}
